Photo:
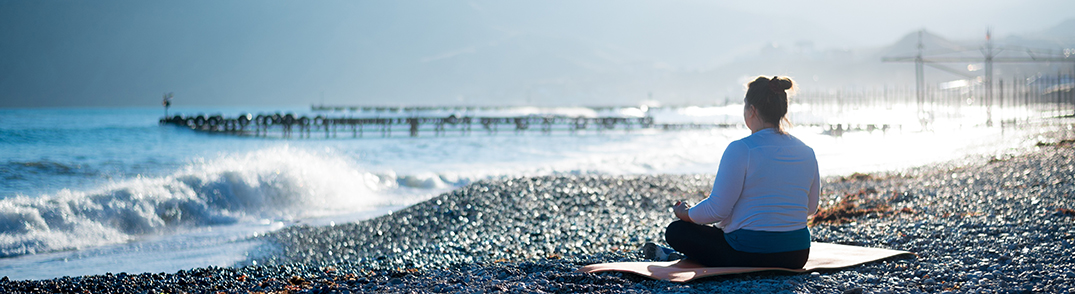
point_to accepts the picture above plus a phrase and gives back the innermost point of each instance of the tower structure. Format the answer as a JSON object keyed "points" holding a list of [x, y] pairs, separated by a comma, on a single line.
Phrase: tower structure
{"points": [[989, 57]]}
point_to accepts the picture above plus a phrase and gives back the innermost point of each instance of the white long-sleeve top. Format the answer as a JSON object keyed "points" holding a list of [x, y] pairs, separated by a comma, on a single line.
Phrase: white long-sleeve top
{"points": [[766, 182]]}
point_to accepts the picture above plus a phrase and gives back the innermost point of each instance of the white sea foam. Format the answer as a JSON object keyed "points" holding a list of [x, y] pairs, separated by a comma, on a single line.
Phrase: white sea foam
{"points": [[279, 183]]}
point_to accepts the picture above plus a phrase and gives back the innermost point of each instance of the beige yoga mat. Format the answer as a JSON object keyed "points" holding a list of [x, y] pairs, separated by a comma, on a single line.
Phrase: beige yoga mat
{"points": [[822, 256]]}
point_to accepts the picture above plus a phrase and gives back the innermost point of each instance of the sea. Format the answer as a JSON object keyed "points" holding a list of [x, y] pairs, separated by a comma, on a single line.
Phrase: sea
{"points": [[87, 191]]}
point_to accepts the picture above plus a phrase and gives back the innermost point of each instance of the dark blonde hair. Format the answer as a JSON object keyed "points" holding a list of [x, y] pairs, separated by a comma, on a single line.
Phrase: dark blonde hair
{"points": [[770, 98]]}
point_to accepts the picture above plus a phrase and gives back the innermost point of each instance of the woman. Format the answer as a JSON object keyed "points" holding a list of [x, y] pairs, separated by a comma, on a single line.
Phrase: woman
{"points": [[766, 187]]}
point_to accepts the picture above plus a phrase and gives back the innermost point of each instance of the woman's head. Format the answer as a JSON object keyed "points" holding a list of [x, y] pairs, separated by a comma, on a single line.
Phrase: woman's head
{"points": [[769, 97]]}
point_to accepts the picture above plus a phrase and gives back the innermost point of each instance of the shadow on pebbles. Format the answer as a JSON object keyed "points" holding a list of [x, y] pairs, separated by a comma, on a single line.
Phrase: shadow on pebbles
{"points": [[977, 225]]}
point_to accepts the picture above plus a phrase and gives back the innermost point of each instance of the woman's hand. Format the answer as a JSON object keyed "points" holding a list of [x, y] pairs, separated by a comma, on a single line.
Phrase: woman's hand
{"points": [[681, 209]]}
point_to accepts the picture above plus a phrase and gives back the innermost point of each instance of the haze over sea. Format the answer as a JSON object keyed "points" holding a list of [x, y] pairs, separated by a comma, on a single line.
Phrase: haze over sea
{"points": [[95, 190]]}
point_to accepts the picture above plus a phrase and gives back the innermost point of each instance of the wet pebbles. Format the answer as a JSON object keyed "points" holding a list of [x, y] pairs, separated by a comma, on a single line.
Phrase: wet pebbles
{"points": [[978, 225]]}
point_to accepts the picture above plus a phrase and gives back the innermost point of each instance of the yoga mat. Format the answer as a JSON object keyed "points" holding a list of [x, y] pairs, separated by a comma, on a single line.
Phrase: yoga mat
{"points": [[822, 256]]}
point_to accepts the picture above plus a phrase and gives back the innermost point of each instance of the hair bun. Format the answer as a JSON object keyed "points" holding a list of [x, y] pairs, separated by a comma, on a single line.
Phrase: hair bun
{"points": [[778, 84], [769, 97]]}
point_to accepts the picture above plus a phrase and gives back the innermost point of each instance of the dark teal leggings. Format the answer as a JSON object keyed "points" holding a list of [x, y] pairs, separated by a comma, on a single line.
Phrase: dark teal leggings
{"points": [[706, 245]]}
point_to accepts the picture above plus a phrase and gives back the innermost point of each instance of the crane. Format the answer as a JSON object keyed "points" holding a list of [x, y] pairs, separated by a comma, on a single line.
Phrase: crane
{"points": [[990, 55]]}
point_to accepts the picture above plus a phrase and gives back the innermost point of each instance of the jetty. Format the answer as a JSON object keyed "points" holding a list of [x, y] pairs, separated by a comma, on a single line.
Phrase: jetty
{"points": [[323, 126]]}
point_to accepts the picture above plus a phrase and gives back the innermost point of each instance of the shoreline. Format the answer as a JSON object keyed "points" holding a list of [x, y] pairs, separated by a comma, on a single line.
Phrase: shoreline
{"points": [[978, 224]]}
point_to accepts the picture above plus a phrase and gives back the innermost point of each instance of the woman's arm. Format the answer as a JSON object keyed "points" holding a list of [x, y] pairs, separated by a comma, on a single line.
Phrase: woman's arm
{"points": [[815, 192], [726, 187]]}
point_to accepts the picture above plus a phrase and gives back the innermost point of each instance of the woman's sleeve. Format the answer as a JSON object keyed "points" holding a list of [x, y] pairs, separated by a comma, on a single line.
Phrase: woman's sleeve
{"points": [[815, 192], [726, 187]]}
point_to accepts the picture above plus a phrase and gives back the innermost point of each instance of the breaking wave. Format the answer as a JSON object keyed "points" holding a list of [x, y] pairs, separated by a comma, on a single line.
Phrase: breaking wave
{"points": [[279, 183]]}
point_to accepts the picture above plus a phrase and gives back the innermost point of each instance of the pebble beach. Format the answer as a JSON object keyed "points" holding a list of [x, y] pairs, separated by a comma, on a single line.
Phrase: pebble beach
{"points": [[981, 224]]}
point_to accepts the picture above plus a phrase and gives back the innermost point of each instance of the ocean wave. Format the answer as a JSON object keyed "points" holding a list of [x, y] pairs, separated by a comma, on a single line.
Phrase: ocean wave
{"points": [[278, 183]]}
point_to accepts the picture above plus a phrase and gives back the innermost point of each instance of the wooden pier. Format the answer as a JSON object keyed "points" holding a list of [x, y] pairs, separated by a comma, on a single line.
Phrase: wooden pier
{"points": [[320, 126], [291, 126]]}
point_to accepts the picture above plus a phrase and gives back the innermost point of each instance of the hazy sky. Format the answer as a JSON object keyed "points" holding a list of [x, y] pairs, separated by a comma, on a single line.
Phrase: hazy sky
{"points": [[127, 53]]}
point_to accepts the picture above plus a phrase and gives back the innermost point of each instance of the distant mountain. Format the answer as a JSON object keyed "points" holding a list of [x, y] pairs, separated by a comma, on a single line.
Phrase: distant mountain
{"points": [[531, 68], [1061, 33], [931, 44], [863, 67]]}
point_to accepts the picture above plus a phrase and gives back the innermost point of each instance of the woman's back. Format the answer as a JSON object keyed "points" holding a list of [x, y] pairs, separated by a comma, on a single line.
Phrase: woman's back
{"points": [[780, 172], [764, 183]]}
